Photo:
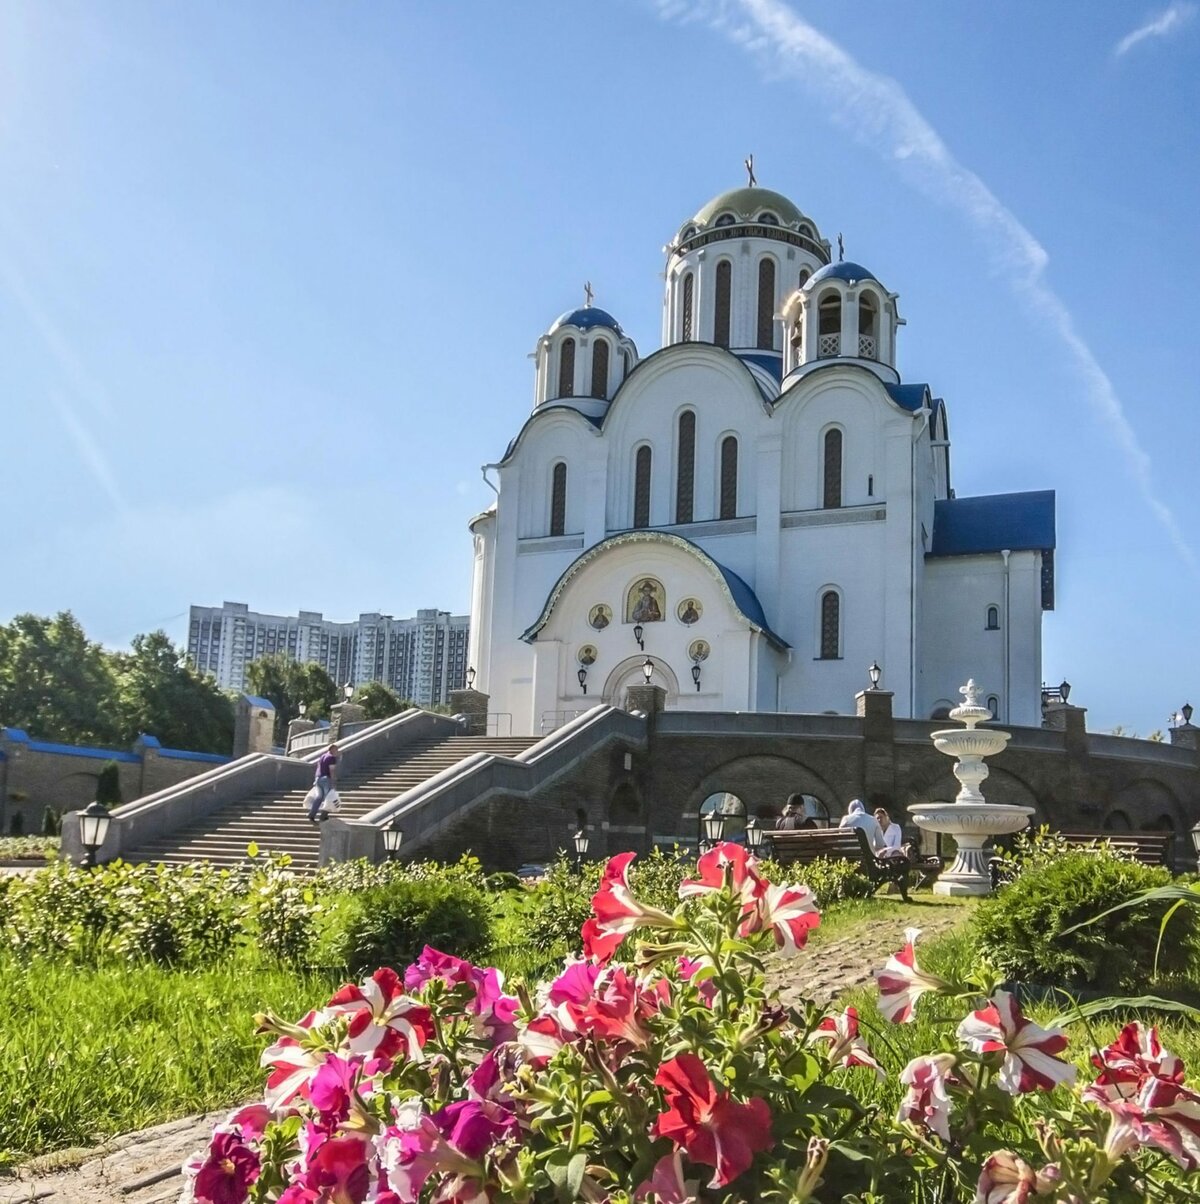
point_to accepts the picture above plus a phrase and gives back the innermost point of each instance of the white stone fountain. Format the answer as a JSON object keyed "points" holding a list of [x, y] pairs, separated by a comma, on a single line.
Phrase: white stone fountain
{"points": [[969, 819]]}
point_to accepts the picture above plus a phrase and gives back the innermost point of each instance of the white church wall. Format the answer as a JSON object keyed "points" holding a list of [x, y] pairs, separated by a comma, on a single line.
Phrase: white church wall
{"points": [[555, 436]]}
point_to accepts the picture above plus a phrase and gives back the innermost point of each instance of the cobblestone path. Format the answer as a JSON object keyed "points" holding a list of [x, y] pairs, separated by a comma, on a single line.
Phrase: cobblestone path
{"points": [[143, 1168]]}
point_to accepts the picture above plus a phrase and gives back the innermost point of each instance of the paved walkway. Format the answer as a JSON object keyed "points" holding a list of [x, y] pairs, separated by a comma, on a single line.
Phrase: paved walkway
{"points": [[143, 1168]]}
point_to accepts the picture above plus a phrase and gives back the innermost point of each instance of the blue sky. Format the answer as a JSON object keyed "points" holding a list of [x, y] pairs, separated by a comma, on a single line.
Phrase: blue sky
{"points": [[269, 276]]}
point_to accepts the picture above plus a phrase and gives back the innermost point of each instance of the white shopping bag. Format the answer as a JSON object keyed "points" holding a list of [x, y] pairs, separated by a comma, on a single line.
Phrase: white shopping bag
{"points": [[312, 798], [332, 804]]}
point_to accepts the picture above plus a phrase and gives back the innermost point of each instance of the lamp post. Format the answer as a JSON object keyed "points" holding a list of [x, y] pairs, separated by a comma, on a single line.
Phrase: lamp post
{"points": [[1196, 843], [696, 675], [302, 708], [647, 669], [581, 847], [638, 632], [1186, 712], [1064, 690], [393, 835], [471, 677], [754, 836], [714, 829], [93, 828], [582, 676], [874, 673], [347, 691]]}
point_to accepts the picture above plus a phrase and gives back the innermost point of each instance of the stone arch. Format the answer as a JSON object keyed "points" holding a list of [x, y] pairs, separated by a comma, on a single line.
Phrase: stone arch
{"points": [[764, 781], [629, 673], [1116, 821], [1150, 804], [74, 791], [624, 825]]}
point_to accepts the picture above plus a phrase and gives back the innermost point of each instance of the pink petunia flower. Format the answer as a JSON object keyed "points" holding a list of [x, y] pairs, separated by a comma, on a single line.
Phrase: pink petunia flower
{"points": [[1007, 1179], [706, 1123], [616, 913], [790, 911], [576, 983], [225, 1174], [384, 1021], [291, 1066], [927, 1102], [667, 1184], [339, 1171], [902, 982], [1029, 1062], [846, 1047], [688, 969], [725, 864], [618, 1010], [493, 1013]]}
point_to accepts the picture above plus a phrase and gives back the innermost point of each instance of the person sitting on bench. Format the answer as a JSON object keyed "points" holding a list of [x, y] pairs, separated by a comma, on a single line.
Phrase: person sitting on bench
{"points": [[893, 836], [856, 817]]}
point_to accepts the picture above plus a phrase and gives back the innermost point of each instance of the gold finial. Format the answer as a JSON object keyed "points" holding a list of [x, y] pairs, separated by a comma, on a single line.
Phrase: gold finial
{"points": [[587, 294], [749, 163], [841, 249]]}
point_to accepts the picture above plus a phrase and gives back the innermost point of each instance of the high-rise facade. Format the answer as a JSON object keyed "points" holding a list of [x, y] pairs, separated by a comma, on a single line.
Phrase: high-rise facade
{"points": [[422, 658]]}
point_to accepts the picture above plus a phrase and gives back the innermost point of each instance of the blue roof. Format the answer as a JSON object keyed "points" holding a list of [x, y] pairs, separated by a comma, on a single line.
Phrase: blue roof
{"points": [[586, 318], [768, 361], [256, 701], [910, 397], [840, 271], [968, 526]]}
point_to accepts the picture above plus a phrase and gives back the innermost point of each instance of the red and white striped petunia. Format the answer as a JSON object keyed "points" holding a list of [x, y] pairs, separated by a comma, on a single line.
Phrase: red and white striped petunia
{"points": [[790, 911], [383, 1019], [617, 913], [725, 864], [1007, 1179], [846, 1048], [1136, 1055], [927, 1101], [902, 982], [1029, 1062]]}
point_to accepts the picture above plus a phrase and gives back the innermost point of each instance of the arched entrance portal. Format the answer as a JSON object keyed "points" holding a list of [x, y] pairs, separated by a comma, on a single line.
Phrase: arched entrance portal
{"points": [[731, 809], [629, 672]]}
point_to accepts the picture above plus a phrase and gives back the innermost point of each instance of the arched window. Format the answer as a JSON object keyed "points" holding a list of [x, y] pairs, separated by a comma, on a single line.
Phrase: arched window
{"points": [[558, 499], [993, 705], [641, 488], [993, 618], [689, 289], [804, 275], [868, 327], [726, 219], [831, 620], [729, 459], [600, 369], [832, 470], [722, 301], [566, 368], [829, 333], [685, 480], [766, 304]]}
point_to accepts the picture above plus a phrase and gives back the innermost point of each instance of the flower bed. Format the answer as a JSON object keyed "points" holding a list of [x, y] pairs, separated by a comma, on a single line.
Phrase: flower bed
{"points": [[672, 1076]]}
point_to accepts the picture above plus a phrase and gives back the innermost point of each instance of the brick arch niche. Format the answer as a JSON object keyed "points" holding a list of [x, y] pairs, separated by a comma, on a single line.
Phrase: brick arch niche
{"points": [[763, 784]]}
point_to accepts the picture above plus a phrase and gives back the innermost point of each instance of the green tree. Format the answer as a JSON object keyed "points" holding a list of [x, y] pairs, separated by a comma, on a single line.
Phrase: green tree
{"points": [[55, 682], [108, 784], [160, 693], [379, 701], [288, 684]]}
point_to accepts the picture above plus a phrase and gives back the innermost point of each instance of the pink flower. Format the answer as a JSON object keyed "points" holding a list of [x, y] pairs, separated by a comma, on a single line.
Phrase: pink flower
{"points": [[616, 913], [791, 911], [335, 1092], [338, 1171], [546, 1034], [576, 983], [383, 1020], [666, 1183], [928, 1101], [1007, 1179], [492, 1011], [1136, 1055], [725, 864], [708, 1124], [705, 988], [251, 1121], [1029, 1050], [617, 1010], [227, 1171], [291, 1067], [846, 1048], [902, 982]]}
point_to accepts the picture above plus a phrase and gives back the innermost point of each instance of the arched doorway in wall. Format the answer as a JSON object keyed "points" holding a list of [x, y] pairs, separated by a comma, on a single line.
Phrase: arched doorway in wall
{"points": [[813, 813], [629, 672], [1117, 821], [731, 809]]}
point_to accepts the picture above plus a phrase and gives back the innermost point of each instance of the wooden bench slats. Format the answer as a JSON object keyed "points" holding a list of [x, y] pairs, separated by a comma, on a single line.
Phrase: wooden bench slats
{"points": [[803, 846]]}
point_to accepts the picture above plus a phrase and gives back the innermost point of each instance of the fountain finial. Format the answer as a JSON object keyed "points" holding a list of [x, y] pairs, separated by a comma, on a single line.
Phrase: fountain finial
{"points": [[969, 712]]}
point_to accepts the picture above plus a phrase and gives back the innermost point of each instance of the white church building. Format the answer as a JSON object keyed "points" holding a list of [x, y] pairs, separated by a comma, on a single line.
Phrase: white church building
{"points": [[760, 507]]}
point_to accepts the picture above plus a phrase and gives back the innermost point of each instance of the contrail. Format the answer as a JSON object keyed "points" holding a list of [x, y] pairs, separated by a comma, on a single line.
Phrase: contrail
{"points": [[877, 112], [90, 453], [1173, 17]]}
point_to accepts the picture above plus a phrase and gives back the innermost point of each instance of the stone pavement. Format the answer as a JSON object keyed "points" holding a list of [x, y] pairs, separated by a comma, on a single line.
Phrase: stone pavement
{"points": [[138, 1168]]}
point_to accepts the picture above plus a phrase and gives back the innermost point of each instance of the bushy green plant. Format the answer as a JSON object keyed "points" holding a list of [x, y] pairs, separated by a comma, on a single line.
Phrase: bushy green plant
{"points": [[108, 784], [28, 848], [51, 822], [834, 880], [349, 876], [282, 911], [558, 905], [389, 924], [1021, 929]]}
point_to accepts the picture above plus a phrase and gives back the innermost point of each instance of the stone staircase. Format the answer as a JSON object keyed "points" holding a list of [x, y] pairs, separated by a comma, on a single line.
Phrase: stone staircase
{"points": [[277, 821]]}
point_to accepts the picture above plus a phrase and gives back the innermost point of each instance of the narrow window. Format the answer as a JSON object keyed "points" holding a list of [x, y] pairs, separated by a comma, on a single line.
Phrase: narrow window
{"points": [[641, 488], [993, 618], [870, 486], [558, 500], [721, 307], [729, 457], [686, 480], [688, 291], [993, 705], [829, 325], [600, 369], [833, 470], [868, 328], [830, 624], [766, 304], [566, 368]]}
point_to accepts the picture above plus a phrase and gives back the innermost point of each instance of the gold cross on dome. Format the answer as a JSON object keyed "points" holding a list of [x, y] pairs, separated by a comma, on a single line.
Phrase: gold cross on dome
{"points": [[587, 293], [749, 165]]}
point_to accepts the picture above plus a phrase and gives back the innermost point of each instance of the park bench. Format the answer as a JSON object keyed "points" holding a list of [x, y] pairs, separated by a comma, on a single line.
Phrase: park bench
{"points": [[1150, 848], [846, 844]]}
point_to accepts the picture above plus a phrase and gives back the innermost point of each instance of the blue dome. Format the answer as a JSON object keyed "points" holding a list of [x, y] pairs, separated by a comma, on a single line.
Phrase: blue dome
{"points": [[840, 271], [586, 318]]}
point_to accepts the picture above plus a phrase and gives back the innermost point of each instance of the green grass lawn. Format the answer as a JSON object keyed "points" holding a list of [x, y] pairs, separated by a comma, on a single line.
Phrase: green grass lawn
{"points": [[86, 1054]]}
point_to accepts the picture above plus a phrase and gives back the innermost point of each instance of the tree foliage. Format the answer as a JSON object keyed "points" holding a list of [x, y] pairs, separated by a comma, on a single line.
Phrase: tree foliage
{"points": [[287, 684], [108, 784], [379, 701]]}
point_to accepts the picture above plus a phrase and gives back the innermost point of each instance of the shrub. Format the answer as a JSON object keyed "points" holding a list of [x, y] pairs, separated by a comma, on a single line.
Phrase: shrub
{"points": [[1020, 930], [108, 785], [832, 881], [558, 906], [16, 825], [51, 822], [389, 925], [350, 876]]}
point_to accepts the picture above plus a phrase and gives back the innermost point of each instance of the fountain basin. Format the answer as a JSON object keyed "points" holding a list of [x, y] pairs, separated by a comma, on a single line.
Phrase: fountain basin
{"points": [[971, 825], [970, 742]]}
